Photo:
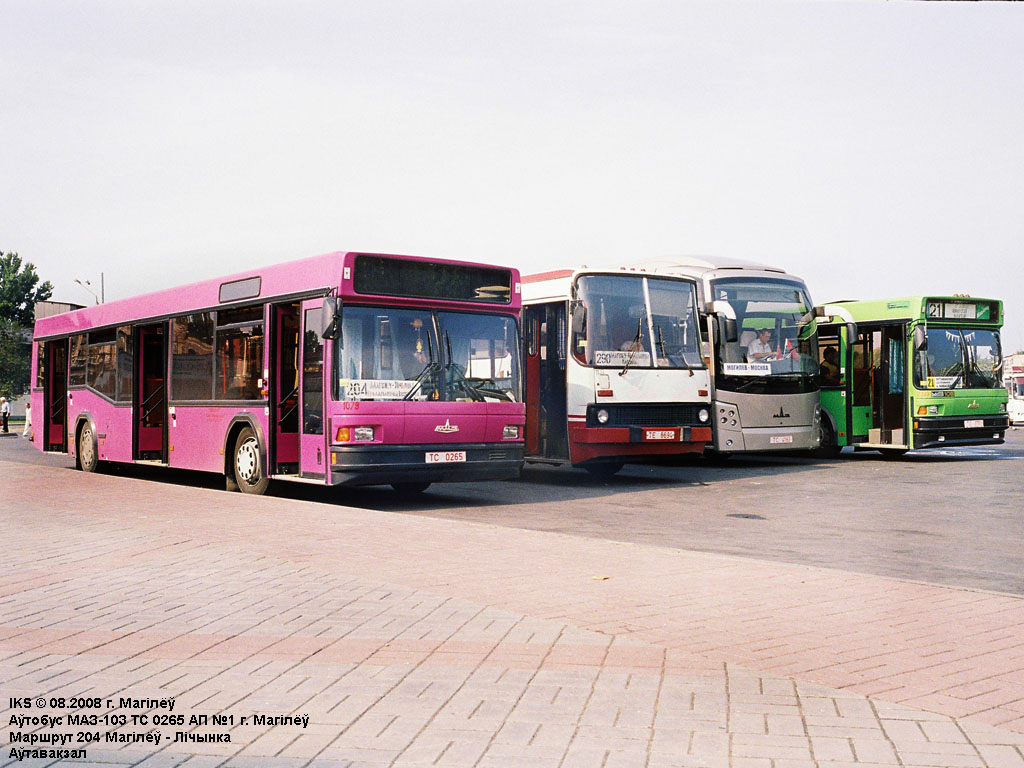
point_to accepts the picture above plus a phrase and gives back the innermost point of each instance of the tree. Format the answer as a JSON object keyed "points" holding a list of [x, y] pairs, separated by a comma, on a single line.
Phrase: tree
{"points": [[15, 359], [20, 290]]}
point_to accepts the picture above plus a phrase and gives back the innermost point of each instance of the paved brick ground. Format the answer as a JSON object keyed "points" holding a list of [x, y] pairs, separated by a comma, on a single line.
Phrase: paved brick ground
{"points": [[418, 642]]}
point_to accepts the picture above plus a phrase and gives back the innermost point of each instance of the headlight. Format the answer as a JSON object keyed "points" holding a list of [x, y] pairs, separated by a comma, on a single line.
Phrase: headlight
{"points": [[703, 414], [602, 416], [510, 432], [362, 434]]}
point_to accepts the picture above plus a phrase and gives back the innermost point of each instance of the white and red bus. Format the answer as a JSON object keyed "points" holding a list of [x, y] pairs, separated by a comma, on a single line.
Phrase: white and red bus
{"points": [[342, 369], [614, 371]]}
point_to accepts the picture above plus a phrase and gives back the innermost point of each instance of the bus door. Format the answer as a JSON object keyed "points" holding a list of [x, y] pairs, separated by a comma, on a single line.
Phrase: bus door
{"points": [[892, 380], [547, 431], [860, 379], [881, 373], [150, 406], [284, 389], [312, 445], [531, 336], [55, 395]]}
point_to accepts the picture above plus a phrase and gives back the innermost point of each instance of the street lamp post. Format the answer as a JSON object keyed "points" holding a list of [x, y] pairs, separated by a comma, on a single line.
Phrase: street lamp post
{"points": [[101, 299]]}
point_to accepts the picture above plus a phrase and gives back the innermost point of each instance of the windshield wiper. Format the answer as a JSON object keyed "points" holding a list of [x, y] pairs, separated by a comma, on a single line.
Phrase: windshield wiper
{"points": [[427, 369], [431, 365], [682, 352], [752, 382], [974, 368], [634, 347], [455, 376]]}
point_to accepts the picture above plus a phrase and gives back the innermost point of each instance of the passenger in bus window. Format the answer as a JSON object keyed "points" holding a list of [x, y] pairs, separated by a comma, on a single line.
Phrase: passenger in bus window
{"points": [[411, 342], [761, 347], [830, 367]]}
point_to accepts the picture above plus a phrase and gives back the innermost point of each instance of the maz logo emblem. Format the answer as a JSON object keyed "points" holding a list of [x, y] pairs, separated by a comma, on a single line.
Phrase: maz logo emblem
{"points": [[781, 414], [446, 428], [974, 404]]}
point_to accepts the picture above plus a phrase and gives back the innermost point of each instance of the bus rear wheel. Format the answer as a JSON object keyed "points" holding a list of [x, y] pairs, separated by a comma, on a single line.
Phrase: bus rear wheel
{"points": [[247, 464], [87, 458]]}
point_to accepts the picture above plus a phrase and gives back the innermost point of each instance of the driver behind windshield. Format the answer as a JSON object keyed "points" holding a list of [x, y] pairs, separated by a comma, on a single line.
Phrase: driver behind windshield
{"points": [[761, 347]]}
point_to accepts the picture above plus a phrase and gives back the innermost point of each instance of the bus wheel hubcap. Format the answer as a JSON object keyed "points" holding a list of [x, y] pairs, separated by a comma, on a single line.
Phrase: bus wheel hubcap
{"points": [[86, 449], [248, 461]]}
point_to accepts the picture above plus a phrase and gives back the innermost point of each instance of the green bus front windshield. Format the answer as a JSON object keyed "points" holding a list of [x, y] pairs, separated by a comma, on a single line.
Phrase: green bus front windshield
{"points": [[387, 353], [957, 358], [776, 349], [638, 321]]}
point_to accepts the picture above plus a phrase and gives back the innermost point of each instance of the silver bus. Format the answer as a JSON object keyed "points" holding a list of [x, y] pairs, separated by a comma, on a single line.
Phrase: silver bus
{"points": [[760, 343]]}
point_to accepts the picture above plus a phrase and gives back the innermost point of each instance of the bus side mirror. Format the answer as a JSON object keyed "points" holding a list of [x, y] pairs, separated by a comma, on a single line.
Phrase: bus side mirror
{"points": [[330, 318], [920, 339], [579, 317], [727, 329]]}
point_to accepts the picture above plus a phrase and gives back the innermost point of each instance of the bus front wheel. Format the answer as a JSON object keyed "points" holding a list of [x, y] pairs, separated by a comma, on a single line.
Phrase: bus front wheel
{"points": [[247, 465], [892, 453], [828, 448], [410, 489], [87, 458], [604, 470]]}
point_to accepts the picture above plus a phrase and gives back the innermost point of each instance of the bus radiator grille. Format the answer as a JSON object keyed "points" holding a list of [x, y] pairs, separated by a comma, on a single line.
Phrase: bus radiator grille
{"points": [[644, 415]]}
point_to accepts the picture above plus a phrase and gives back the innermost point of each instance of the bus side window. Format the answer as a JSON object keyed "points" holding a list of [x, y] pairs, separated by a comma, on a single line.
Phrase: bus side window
{"points": [[76, 368], [829, 366]]}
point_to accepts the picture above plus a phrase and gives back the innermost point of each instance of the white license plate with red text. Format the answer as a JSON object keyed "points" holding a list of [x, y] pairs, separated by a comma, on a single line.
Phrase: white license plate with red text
{"points": [[445, 457], [775, 439]]}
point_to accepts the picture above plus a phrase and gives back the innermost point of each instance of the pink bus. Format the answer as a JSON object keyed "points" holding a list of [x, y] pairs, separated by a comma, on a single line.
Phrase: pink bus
{"points": [[342, 369]]}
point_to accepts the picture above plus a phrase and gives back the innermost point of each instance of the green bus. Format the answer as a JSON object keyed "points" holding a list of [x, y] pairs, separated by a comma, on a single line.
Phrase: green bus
{"points": [[911, 373]]}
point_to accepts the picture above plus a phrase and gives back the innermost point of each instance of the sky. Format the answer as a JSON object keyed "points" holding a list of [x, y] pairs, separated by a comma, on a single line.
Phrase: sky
{"points": [[875, 149]]}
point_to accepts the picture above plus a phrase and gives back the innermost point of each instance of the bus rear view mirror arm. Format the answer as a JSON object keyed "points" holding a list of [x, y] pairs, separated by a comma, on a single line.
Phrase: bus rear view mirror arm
{"points": [[330, 318], [727, 326], [579, 316], [830, 311]]}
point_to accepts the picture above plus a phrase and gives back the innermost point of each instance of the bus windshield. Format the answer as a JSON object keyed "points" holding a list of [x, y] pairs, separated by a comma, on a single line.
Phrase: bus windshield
{"points": [[958, 358], [387, 353], [776, 344], [638, 321]]}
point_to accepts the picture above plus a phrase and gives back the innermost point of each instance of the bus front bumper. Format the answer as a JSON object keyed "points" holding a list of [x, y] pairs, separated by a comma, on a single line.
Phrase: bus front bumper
{"points": [[797, 438], [631, 442], [942, 431], [386, 464]]}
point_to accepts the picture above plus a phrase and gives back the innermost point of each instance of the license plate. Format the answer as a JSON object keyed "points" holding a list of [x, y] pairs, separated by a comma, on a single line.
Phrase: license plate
{"points": [[445, 457], [660, 434], [780, 439], [974, 423]]}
